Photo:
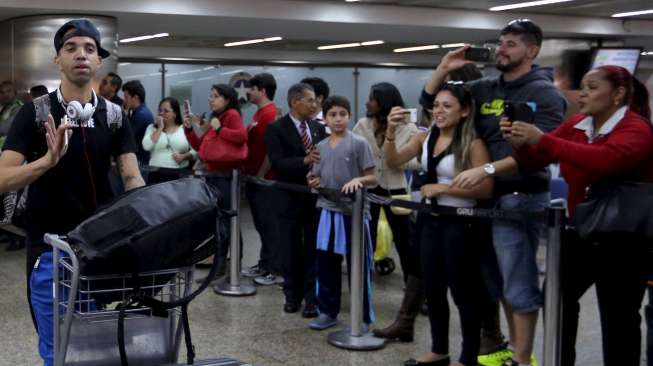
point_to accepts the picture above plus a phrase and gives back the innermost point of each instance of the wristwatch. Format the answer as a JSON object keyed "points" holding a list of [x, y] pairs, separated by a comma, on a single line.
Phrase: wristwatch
{"points": [[489, 169]]}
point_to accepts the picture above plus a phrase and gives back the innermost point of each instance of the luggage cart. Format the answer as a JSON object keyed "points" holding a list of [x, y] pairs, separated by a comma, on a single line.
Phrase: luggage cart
{"points": [[85, 332]]}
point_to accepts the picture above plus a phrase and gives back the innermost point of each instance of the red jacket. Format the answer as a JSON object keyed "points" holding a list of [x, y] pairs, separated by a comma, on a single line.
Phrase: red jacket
{"points": [[256, 139], [626, 151], [233, 130]]}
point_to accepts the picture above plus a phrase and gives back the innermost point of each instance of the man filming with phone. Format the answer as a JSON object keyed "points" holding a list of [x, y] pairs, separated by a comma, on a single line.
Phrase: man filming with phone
{"points": [[515, 243]]}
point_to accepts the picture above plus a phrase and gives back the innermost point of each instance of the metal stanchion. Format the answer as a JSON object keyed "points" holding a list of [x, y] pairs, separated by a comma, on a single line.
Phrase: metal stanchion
{"points": [[357, 338], [234, 287], [552, 303]]}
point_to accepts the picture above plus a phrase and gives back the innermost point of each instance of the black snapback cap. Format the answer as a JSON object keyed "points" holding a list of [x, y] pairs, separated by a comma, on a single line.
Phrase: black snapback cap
{"points": [[82, 28]]}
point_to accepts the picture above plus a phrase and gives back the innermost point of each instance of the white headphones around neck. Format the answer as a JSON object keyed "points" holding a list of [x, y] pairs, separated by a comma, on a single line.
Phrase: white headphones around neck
{"points": [[75, 110]]}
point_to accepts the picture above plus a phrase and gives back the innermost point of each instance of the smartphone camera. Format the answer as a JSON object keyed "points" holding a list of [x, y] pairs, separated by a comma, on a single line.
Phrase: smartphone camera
{"points": [[411, 115], [518, 112], [478, 54], [187, 110]]}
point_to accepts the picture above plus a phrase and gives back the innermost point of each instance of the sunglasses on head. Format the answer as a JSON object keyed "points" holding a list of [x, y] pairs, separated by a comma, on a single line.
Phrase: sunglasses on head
{"points": [[520, 21]]}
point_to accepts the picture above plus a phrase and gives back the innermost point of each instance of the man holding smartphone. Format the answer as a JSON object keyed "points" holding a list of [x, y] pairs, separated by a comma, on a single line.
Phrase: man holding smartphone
{"points": [[65, 164], [515, 243]]}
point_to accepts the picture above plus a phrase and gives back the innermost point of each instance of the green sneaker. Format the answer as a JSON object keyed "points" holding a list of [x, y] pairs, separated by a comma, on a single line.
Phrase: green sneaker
{"points": [[495, 359], [533, 360]]}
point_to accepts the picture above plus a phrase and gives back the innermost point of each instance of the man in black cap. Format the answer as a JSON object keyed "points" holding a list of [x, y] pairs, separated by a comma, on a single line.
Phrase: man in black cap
{"points": [[67, 163]]}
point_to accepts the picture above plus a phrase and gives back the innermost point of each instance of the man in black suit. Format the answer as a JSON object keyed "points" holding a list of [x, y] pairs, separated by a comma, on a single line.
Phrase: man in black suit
{"points": [[291, 144]]}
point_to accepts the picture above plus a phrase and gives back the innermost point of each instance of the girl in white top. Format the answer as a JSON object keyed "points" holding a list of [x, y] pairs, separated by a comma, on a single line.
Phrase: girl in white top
{"points": [[165, 139], [449, 258]]}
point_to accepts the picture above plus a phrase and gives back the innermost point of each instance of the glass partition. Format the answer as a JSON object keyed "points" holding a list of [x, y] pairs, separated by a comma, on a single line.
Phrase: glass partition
{"points": [[410, 83], [149, 75], [194, 81]]}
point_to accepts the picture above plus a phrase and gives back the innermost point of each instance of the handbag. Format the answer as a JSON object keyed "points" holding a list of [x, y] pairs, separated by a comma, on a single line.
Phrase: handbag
{"points": [[383, 238], [222, 151], [616, 208]]}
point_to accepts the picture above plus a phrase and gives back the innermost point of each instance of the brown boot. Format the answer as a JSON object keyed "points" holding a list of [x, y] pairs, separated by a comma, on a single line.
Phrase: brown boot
{"points": [[492, 339], [403, 327]]}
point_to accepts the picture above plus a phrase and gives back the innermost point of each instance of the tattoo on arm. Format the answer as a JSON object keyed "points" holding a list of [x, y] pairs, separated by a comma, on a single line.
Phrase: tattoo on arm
{"points": [[129, 172]]}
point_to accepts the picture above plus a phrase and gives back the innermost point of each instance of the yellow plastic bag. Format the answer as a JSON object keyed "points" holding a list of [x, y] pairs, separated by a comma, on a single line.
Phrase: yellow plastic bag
{"points": [[383, 238]]}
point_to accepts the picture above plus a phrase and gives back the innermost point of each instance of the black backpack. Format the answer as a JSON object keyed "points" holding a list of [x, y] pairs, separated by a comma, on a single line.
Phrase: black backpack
{"points": [[167, 225]]}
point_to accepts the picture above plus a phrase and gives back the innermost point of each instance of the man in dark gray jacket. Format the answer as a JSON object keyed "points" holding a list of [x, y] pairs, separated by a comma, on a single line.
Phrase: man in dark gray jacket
{"points": [[515, 243]]}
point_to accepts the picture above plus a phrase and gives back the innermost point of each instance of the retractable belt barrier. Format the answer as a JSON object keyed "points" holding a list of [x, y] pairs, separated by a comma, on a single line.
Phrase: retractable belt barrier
{"points": [[473, 212], [356, 337]]}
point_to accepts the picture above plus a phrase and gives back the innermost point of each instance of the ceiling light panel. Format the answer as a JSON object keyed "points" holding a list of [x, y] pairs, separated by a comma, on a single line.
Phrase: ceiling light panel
{"points": [[527, 4], [633, 13], [143, 38], [416, 48]]}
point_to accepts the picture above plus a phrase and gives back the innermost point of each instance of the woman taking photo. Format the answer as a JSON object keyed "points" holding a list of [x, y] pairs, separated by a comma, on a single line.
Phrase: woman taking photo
{"points": [[609, 141], [167, 143], [391, 180], [221, 142], [449, 257]]}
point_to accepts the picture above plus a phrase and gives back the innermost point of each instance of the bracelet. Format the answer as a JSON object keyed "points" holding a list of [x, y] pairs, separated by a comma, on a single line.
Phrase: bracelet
{"points": [[389, 139]]}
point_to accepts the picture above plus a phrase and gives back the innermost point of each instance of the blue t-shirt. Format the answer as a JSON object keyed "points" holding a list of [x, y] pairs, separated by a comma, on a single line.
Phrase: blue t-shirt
{"points": [[140, 118]]}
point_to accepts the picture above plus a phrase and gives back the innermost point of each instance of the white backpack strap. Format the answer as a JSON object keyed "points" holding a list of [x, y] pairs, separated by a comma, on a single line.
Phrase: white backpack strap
{"points": [[114, 116]]}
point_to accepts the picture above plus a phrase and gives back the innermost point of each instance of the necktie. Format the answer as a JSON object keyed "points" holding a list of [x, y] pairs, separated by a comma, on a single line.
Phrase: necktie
{"points": [[306, 140]]}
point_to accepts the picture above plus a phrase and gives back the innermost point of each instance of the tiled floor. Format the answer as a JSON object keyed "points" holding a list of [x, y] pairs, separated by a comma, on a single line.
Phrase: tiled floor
{"points": [[256, 330]]}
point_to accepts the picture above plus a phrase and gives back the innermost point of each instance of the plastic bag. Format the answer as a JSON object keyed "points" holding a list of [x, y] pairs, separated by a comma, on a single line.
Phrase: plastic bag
{"points": [[383, 238]]}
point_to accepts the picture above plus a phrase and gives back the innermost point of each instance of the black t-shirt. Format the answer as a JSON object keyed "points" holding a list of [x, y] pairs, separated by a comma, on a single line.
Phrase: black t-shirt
{"points": [[117, 100], [70, 192]]}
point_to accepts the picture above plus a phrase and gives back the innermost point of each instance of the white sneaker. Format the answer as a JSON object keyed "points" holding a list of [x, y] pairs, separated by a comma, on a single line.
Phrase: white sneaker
{"points": [[267, 280], [253, 271]]}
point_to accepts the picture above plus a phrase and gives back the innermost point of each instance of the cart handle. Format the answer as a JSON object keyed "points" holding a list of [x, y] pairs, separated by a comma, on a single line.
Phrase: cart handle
{"points": [[58, 244]]}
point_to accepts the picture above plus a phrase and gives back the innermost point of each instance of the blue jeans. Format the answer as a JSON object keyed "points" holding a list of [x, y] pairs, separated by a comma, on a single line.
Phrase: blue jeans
{"points": [[41, 297], [515, 244]]}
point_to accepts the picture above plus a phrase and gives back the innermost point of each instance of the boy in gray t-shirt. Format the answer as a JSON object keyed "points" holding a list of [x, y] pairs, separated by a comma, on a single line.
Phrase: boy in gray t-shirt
{"points": [[346, 163]]}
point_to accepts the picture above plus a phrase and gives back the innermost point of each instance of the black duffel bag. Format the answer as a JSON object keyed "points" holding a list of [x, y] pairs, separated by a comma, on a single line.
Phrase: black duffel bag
{"points": [[167, 225], [616, 208], [151, 228]]}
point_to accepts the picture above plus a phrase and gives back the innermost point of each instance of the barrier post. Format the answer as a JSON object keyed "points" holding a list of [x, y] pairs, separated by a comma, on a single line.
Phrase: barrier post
{"points": [[233, 287], [357, 337], [552, 301]]}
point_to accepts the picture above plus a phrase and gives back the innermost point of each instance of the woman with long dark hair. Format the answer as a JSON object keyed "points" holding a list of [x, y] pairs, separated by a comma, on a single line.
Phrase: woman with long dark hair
{"points": [[223, 127], [609, 141], [450, 257], [391, 180]]}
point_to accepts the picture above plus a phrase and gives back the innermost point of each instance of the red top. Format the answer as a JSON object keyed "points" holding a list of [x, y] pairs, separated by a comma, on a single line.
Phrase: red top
{"points": [[626, 150], [256, 139], [232, 130]]}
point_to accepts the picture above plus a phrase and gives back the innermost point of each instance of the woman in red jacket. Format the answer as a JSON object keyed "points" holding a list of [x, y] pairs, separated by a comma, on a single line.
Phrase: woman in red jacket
{"points": [[223, 130], [611, 138]]}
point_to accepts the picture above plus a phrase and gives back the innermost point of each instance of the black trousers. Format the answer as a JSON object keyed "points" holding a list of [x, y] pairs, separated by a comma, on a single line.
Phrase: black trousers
{"points": [[298, 230], [618, 267], [262, 202], [400, 225], [223, 184], [482, 236], [450, 260]]}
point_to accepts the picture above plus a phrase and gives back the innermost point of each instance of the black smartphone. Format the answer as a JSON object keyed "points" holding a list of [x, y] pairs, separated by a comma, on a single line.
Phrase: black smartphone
{"points": [[478, 54], [518, 112]]}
